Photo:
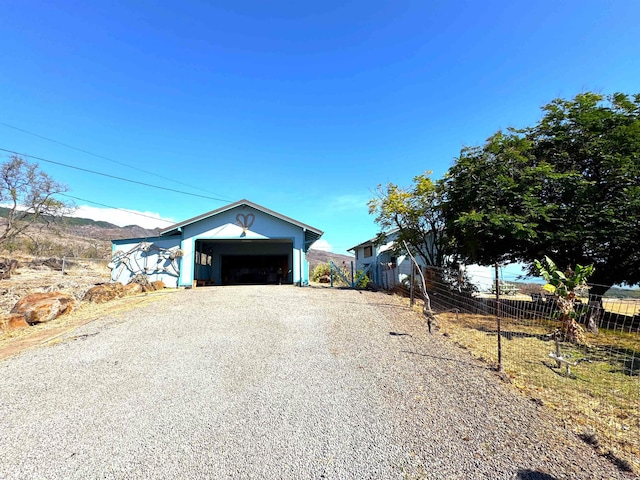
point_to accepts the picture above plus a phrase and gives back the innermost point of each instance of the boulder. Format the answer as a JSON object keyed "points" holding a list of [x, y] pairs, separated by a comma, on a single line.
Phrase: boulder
{"points": [[105, 292], [44, 307], [133, 289], [12, 322], [157, 285]]}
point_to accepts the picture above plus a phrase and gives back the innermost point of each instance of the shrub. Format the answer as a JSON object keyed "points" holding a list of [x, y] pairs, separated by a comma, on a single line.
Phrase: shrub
{"points": [[324, 270]]}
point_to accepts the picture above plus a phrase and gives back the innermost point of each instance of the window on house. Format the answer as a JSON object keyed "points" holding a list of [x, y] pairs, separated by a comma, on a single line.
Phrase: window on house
{"points": [[368, 251], [203, 258]]}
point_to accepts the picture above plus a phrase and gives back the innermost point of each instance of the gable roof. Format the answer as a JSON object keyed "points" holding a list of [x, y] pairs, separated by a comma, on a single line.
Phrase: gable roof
{"points": [[375, 240], [311, 233]]}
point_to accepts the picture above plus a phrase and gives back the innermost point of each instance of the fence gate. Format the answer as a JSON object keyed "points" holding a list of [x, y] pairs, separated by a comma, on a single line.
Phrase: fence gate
{"points": [[351, 282]]}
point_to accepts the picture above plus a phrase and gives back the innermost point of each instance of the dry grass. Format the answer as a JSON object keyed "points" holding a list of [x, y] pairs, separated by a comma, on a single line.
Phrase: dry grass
{"points": [[599, 400], [15, 341], [629, 307], [78, 277]]}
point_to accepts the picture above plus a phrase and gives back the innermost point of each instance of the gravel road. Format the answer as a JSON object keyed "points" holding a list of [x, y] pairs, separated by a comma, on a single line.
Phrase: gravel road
{"points": [[272, 382]]}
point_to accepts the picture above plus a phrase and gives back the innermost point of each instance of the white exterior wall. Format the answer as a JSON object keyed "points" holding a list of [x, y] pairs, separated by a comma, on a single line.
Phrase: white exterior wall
{"points": [[382, 254]]}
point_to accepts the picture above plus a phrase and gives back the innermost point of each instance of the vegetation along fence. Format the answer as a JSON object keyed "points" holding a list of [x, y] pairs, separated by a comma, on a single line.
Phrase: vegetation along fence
{"points": [[592, 386]]}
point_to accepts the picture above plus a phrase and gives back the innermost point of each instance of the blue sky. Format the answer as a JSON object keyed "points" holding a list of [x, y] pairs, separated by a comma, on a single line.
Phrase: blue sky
{"points": [[302, 107]]}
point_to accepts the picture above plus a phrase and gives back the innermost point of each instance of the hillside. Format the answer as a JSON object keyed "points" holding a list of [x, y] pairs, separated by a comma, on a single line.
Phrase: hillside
{"points": [[316, 257], [72, 237], [99, 230], [83, 237]]}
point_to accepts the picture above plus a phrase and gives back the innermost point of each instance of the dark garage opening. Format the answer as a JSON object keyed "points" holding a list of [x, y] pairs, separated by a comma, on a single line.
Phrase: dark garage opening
{"points": [[253, 269]]}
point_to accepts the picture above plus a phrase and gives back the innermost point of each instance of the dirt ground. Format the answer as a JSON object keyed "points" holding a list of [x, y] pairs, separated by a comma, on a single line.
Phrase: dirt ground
{"points": [[75, 281]]}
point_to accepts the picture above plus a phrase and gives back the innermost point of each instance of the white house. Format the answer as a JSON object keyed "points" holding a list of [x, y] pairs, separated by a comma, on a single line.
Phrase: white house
{"points": [[241, 243], [381, 261], [388, 265]]}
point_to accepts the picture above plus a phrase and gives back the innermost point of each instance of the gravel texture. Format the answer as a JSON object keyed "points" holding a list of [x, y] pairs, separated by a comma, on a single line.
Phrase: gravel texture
{"points": [[272, 382]]}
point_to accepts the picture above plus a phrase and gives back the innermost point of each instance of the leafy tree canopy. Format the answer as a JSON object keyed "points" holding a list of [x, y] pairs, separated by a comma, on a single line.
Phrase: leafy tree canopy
{"points": [[415, 213], [567, 187]]}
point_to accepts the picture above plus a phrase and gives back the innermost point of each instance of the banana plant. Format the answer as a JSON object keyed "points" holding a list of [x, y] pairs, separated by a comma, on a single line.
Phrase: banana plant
{"points": [[565, 284]]}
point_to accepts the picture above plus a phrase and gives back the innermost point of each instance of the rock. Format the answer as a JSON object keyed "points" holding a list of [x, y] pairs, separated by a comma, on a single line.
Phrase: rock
{"points": [[110, 291], [44, 307], [12, 321], [133, 289], [105, 292], [158, 285]]}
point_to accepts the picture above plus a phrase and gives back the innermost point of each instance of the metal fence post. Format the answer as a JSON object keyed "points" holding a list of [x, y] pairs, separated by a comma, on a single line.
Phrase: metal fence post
{"points": [[352, 284], [498, 313], [331, 274]]}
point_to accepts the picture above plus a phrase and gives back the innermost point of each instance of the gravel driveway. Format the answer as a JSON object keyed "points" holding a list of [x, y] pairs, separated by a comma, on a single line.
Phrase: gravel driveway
{"points": [[272, 382]]}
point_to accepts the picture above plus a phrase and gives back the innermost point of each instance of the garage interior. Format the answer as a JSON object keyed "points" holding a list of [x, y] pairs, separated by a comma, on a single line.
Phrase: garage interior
{"points": [[244, 262]]}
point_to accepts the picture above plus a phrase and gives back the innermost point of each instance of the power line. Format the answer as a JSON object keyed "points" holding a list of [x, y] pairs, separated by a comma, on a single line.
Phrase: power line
{"points": [[101, 156], [113, 176], [170, 222]]}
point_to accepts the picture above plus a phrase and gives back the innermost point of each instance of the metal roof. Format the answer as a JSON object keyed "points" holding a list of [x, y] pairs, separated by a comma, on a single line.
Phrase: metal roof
{"points": [[311, 234], [374, 240]]}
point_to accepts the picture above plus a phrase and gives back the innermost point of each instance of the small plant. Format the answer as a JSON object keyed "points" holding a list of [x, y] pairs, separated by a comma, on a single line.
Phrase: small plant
{"points": [[319, 271], [323, 270], [565, 284]]}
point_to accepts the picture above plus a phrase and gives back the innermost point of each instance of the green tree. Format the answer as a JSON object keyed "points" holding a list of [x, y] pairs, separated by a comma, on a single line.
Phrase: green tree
{"points": [[568, 187], [29, 195], [415, 213]]}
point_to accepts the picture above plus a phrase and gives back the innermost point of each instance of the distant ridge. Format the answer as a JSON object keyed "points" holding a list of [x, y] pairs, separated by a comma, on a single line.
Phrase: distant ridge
{"points": [[316, 257], [101, 230], [98, 229]]}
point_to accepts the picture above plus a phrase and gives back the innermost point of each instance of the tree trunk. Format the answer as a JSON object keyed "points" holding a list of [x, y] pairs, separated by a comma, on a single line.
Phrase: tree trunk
{"points": [[572, 331], [597, 289]]}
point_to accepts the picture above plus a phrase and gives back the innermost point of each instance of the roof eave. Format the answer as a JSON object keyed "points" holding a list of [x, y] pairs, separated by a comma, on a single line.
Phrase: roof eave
{"points": [[177, 228]]}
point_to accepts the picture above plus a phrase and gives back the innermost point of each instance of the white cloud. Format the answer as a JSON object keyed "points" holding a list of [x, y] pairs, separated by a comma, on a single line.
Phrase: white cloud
{"points": [[343, 203], [123, 218], [322, 245]]}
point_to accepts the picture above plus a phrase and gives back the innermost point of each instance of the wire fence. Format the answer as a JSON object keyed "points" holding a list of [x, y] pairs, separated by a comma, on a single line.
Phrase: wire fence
{"points": [[72, 265], [593, 387]]}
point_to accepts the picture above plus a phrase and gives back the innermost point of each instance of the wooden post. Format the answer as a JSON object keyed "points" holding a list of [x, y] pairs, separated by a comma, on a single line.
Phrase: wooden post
{"points": [[412, 291]]}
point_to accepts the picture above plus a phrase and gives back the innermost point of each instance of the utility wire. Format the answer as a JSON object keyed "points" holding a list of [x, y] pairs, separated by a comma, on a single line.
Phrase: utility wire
{"points": [[101, 156], [113, 176], [117, 208]]}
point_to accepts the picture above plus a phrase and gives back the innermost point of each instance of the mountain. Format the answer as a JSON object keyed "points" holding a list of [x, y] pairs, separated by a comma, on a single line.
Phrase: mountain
{"points": [[99, 230], [316, 257], [108, 231], [72, 231]]}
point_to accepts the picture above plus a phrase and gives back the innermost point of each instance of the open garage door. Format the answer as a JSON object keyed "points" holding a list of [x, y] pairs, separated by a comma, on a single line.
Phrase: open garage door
{"points": [[253, 269], [244, 262]]}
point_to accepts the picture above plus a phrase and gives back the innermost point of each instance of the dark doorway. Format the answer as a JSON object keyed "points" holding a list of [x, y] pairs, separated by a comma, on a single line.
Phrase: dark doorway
{"points": [[253, 269]]}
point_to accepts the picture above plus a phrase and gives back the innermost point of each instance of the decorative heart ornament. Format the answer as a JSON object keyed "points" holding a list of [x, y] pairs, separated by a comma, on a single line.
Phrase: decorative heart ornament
{"points": [[245, 221]]}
